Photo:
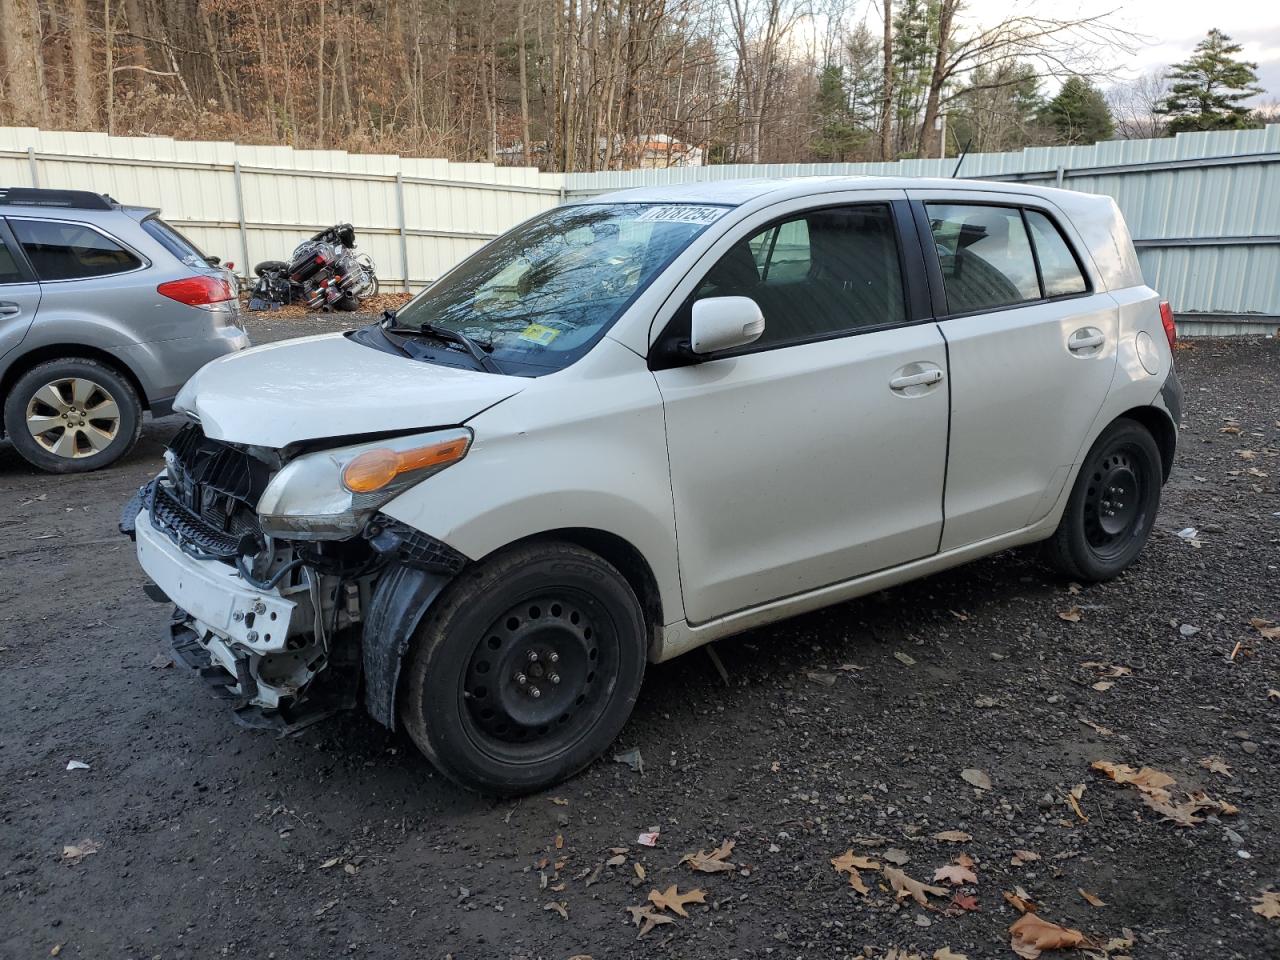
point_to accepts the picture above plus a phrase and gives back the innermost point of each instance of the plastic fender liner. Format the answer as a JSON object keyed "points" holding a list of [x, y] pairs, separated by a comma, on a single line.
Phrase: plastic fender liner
{"points": [[401, 598]]}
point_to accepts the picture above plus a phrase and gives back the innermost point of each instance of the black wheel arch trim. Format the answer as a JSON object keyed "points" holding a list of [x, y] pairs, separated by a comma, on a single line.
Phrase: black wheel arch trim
{"points": [[402, 597]]}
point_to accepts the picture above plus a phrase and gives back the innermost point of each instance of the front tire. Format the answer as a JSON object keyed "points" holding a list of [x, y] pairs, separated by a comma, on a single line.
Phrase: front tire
{"points": [[72, 416], [525, 669], [1112, 506]]}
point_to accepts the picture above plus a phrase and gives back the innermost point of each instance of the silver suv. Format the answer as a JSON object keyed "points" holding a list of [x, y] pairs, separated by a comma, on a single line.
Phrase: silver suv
{"points": [[105, 311]]}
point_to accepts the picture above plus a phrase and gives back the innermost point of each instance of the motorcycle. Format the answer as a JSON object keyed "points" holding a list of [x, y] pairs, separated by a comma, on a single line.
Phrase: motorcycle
{"points": [[324, 272]]}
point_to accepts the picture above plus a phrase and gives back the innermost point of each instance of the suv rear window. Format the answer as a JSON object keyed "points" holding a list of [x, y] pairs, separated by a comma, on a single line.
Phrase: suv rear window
{"points": [[173, 241], [59, 250]]}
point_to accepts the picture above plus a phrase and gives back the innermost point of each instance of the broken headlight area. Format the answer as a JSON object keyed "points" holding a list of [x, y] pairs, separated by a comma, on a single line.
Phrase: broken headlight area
{"points": [[274, 623]]}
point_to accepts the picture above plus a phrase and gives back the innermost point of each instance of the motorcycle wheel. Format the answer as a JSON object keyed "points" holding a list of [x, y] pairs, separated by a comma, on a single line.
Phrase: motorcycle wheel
{"points": [[270, 266]]}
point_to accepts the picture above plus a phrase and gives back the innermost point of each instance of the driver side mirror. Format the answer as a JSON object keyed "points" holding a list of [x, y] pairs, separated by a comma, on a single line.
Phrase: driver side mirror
{"points": [[722, 323]]}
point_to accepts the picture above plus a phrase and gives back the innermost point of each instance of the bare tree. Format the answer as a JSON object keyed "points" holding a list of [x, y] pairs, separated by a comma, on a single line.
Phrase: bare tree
{"points": [[1133, 105]]}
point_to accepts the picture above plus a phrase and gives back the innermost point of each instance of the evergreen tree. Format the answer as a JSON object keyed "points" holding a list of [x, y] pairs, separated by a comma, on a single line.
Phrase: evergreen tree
{"points": [[1208, 90], [999, 109], [837, 137], [1078, 114]]}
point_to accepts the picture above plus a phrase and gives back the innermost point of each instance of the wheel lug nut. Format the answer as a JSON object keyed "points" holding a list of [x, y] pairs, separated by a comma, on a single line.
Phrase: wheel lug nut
{"points": [[533, 656], [521, 679], [554, 678], [535, 692], [554, 658]]}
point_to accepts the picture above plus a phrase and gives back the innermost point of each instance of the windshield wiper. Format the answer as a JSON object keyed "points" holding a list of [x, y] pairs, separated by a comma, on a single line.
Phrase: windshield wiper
{"points": [[477, 351]]}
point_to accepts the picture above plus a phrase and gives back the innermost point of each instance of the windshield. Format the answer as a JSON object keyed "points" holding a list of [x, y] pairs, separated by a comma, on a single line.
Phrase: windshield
{"points": [[539, 296]]}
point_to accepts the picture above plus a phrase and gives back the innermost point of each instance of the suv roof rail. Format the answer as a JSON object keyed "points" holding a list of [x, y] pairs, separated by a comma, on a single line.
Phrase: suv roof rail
{"points": [[35, 197]]}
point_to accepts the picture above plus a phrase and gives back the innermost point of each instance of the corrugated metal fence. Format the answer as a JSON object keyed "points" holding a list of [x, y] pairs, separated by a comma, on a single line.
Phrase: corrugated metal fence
{"points": [[1204, 208]]}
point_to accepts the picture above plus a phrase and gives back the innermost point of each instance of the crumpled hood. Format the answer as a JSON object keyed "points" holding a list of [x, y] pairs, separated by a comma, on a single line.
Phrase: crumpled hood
{"points": [[329, 386]]}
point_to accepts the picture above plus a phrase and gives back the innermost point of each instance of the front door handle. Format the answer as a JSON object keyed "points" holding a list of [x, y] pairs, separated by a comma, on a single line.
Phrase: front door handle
{"points": [[1086, 339], [925, 378], [9, 309]]}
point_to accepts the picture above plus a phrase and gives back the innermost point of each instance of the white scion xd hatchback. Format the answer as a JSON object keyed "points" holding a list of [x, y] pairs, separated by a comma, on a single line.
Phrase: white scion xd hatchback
{"points": [[636, 424]]}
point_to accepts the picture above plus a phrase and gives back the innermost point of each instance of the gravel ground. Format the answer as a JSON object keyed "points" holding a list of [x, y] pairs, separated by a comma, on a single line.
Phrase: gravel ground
{"points": [[845, 729]]}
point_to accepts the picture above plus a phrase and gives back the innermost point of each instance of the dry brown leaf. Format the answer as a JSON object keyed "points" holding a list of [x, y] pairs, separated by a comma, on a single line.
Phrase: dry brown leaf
{"points": [[639, 870], [616, 861], [1022, 857], [1215, 764], [1102, 686], [850, 863], [673, 900], [75, 852], [644, 918], [1071, 616], [1020, 900], [559, 842], [1183, 815], [965, 901], [1032, 934], [714, 862], [904, 886], [559, 906], [1268, 904], [956, 874], [946, 953], [1146, 779], [896, 954], [953, 836], [1090, 898], [978, 778], [1072, 799], [963, 859], [1266, 629], [895, 856]]}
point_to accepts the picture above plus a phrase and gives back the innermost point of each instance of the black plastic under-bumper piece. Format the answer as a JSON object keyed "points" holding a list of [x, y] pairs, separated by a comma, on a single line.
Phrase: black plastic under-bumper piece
{"points": [[323, 700]]}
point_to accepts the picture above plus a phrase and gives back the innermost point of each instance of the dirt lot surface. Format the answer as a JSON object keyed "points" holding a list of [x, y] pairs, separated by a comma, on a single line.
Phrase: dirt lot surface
{"points": [[845, 729]]}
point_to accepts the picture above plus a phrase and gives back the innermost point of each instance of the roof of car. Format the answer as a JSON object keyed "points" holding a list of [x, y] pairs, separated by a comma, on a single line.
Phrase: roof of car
{"points": [[738, 192]]}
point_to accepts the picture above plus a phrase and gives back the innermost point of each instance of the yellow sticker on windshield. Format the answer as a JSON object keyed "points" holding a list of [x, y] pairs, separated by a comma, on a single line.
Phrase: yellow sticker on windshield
{"points": [[537, 333]]}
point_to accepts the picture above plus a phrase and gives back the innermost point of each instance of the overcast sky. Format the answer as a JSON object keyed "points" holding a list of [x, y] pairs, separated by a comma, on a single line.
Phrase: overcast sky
{"points": [[1172, 29]]}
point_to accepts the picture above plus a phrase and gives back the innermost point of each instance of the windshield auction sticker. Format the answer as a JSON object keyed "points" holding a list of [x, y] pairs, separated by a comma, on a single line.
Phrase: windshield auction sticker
{"points": [[682, 213]]}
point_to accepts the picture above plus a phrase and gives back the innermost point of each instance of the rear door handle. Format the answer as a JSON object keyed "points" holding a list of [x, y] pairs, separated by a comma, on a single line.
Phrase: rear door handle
{"points": [[1086, 338], [9, 309], [924, 378]]}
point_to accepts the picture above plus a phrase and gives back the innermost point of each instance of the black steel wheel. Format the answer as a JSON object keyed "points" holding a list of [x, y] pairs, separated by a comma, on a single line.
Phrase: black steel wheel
{"points": [[1112, 505], [525, 669]]}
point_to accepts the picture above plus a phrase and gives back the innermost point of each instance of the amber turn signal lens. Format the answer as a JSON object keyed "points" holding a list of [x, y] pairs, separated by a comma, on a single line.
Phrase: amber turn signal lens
{"points": [[375, 469]]}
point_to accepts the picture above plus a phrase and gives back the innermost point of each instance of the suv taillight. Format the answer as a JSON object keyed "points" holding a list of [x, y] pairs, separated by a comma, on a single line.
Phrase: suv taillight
{"points": [[1166, 318], [205, 292]]}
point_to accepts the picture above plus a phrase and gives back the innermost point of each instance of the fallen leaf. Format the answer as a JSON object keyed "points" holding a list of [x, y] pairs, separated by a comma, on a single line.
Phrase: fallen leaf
{"points": [[965, 901], [1145, 779], [956, 874], [904, 886], [894, 855], [559, 842], [75, 852], [1268, 904], [896, 954], [904, 658], [1102, 686], [1229, 428], [946, 953], [1020, 900], [1021, 857], [714, 862], [560, 801], [644, 918], [963, 859], [1097, 727], [850, 863], [1183, 815], [639, 868], [1031, 934], [1090, 898], [559, 906], [673, 900], [1071, 616], [1215, 764], [825, 679], [1266, 629], [977, 778], [953, 836], [616, 860], [331, 862], [1072, 800]]}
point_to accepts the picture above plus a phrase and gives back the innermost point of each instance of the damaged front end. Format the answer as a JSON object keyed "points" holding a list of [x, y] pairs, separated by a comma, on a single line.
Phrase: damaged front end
{"points": [[291, 590]]}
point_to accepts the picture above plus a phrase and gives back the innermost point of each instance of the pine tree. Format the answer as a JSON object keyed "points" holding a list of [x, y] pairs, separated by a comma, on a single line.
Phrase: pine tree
{"points": [[1209, 89], [837, 137], [1079, 113]]}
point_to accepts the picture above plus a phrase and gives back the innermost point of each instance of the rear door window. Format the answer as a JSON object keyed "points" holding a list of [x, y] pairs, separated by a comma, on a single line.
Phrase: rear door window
{"points": [[173, 241], [985, 256], [59, 250], [9, 272], [1058, 265]]}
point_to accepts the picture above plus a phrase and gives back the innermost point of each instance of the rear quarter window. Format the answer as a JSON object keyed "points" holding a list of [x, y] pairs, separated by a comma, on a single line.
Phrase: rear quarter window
{"points": [[59, 250], [173, 241]]}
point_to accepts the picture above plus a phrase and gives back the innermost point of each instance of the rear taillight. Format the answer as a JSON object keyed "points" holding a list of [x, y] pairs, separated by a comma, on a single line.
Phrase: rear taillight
{"points": [[1166, 319], [205, 292]]}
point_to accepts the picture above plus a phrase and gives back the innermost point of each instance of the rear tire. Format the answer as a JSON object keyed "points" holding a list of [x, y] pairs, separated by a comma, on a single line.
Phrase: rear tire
{"points": [[525, 669], [72, 416], [1112, 506], [271, 266]]}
